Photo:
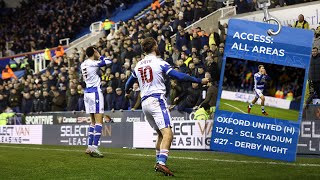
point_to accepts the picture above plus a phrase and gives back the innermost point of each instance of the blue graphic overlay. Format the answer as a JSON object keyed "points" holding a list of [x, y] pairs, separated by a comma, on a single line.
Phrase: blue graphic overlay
{"points": [[249, 40], [253, 135]]}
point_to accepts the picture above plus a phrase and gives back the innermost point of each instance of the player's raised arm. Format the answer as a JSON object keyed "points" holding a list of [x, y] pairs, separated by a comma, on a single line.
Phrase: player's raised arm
{"points": [[98, 60], [166, 68], [103, 61], [266, 77]]}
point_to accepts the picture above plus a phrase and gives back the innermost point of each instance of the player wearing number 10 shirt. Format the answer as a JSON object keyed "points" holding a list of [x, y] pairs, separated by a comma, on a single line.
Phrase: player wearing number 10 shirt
{"points": [[93, 97], [150, 74]]}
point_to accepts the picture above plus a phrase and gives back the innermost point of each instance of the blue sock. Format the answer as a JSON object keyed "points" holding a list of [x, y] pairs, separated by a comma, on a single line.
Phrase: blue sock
{"points": [[250, 105], [97, 134], [157, 155], [262, 108], [90, 135], [163, 156]]}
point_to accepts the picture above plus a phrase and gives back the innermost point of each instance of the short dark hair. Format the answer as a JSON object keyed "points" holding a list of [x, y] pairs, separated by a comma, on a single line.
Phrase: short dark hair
{"points": [[90, 51], [148, 44], [315, 48], [260, 66]]}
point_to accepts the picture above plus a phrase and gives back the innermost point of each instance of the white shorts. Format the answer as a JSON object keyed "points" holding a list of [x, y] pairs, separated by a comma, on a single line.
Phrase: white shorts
{"points": [[258, 93], [94, 102], [156, 111]]}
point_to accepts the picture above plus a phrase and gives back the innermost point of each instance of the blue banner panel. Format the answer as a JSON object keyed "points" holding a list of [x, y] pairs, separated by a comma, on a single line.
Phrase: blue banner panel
{"points": [[249, 40], [257, 134]]}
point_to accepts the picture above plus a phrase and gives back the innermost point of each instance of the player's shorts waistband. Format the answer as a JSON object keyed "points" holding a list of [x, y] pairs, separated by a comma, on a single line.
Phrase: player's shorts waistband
{"points": [[155, 95], [92, 89]]}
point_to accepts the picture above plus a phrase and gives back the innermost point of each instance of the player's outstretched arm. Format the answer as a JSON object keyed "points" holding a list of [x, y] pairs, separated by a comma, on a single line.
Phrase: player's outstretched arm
{"points": [[185, 77], [130, 83]]}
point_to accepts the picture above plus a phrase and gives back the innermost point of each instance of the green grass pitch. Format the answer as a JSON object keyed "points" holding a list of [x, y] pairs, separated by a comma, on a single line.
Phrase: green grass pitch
{"points": [[70, 162], [242, 107]]}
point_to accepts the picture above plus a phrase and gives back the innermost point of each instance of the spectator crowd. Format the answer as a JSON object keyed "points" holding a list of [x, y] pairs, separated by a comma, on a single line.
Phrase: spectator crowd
{"points": [[195, 51], [60, 88], [40, 24]]}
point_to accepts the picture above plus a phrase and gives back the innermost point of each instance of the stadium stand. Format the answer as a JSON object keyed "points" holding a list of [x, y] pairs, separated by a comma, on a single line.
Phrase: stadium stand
{"points": [[45, 22], [195, 51]]}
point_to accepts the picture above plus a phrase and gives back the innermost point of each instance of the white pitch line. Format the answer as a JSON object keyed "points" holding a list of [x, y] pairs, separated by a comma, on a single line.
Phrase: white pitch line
{"points": [[177, 157], [235, 108]]}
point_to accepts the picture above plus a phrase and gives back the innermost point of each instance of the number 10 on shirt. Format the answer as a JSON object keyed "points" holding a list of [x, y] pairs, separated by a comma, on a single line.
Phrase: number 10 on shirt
{"points": [[146, 74]]}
